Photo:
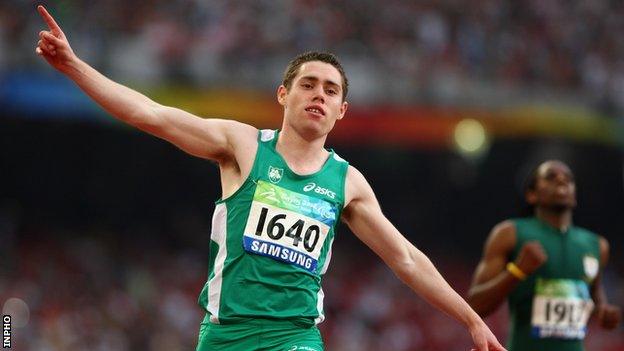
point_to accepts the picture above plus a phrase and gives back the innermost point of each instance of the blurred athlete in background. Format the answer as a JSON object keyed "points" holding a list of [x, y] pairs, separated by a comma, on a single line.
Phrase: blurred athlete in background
{"points": [[548, 269]]}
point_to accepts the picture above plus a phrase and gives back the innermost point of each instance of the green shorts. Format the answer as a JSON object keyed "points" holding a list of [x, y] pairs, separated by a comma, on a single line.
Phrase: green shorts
{"points": [[258, 335]]}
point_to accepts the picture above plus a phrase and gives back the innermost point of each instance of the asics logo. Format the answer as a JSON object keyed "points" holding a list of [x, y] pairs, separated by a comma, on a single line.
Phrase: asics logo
{"points": [[319, 190]]}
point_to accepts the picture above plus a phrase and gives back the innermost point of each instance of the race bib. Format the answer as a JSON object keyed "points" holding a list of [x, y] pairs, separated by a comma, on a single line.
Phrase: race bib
{"points": [[561, 308], [288, 226]]}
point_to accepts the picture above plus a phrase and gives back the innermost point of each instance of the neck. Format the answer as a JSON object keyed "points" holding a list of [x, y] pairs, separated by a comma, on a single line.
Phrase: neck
{"points": [[560, 219], [302, 155]]}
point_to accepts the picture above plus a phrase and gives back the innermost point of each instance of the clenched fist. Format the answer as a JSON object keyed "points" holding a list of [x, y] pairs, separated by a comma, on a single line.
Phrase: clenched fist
{"points": [[531, 257]]}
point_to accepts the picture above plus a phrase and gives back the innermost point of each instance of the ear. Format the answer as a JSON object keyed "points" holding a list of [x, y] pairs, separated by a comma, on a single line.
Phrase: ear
{"points": [[343, 110], [282, 92], [531, 197]]}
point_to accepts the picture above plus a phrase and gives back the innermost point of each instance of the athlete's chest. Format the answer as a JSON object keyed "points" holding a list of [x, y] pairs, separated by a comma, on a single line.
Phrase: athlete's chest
{"points": [[568, 257]]}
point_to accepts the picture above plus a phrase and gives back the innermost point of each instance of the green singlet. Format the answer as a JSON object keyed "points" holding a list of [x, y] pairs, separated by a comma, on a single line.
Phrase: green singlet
{"points": [[550, 309], [270, 246]]}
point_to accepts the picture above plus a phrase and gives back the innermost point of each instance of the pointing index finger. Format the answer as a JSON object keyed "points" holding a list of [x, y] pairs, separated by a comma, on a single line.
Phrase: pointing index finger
{"points": [[49, 20]]}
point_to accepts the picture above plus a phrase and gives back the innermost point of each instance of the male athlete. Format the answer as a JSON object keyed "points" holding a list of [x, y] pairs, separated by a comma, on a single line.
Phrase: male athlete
{"points": [[548, 268], [283, 194]]}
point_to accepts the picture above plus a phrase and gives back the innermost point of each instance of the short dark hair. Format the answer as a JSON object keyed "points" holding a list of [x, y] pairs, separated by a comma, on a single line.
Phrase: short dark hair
{"points": [[531, 180], [293, 68], [529, 184]]}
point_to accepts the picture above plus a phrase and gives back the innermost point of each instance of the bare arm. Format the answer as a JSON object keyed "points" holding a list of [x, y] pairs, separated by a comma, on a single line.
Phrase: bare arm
{"points": [[597, 291], [207, 138], [365, 218], [491, 282], [609, 316]]}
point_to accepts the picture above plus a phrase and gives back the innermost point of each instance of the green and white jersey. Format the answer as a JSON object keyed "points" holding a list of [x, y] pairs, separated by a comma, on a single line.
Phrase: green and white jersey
{"points": [[271, 241]]}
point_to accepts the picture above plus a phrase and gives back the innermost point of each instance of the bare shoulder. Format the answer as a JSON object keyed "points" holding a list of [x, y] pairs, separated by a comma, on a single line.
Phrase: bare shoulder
{"points": [[359, 196], [604, 250], [603, 242], [502, 238], [356, 186], [504, 228], [235, 167], [243, 140], [240, 133]]}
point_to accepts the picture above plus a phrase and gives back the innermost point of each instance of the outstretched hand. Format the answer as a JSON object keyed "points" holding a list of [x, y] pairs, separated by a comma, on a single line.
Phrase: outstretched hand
{"points": [[484, 340], [53, 44]]}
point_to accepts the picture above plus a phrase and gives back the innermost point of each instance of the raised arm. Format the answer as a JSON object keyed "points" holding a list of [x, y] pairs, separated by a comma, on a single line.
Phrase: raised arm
{"points": [[206, 138], [492, 281], [364, 216], [609, 316]]}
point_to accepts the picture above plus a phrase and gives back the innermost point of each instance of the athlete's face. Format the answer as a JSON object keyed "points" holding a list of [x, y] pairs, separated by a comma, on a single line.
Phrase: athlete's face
{"points": [[314, 101], [554, 187]]}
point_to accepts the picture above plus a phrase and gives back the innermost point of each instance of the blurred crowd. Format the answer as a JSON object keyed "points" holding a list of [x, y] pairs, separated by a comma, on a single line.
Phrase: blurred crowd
{"points": [[449, 51], [116, 292], [97, 289]]}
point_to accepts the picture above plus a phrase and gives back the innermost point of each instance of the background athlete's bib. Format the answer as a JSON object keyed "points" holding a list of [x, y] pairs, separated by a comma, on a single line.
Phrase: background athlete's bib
{"points": [[561, 308]]}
